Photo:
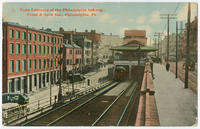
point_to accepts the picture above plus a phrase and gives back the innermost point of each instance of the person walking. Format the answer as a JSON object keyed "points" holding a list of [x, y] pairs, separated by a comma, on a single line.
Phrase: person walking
{"points": [[167, 66]]}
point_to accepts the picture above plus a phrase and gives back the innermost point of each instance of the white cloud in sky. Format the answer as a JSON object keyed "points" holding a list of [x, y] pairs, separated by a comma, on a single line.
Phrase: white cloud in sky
{"points": [[122, 30], [182, 14], [106, 18], [155, 17], [140, 19], [147, 28]]}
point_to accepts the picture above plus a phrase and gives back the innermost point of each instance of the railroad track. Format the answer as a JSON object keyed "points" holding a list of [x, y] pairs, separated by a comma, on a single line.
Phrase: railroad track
{"points": [[122, 116], [92, 110], [50, 117]]}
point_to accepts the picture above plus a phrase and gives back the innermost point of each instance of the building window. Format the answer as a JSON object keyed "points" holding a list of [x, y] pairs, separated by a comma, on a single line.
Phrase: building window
{"points": [[24, 84], [23, 48], [43, 49], [70, 51], [11, 48], [29, 36], [23, 35], [43, 38], [34, 37], [39, 38], [51, 39], [11, 33], [47, 39], [29, 49], [18, 85], [17, 48], [17, 65], [47, 49], [39, 64], [44, 63], [47, 63], [11, 66], [77, 61], [34, 49], [29, 65], [51, 62], [35, 64], [11, 86], [39, 49], [17, 35], [23, 65], [51, 50]]}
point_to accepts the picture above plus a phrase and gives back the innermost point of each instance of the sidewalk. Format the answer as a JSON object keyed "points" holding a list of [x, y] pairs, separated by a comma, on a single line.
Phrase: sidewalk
{"points": [[42, 97], [176, 106]]}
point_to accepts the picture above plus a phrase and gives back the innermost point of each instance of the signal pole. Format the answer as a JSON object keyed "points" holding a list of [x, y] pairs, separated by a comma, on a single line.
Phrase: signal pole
{"points": [[168, 17], [158, 34], [187, 48]]}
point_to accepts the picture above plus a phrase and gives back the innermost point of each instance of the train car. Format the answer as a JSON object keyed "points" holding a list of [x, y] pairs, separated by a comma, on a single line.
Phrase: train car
{"points": [[120, 73]]}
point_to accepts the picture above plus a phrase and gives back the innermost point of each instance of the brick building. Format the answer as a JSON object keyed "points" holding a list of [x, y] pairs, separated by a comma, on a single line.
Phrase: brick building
{"points": [[92, 35], [73, 56], [138, 35], [193, 40], [30, 58]]}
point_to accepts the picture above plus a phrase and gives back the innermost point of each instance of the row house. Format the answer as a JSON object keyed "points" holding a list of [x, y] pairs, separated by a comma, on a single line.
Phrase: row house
{"points": [[73, 56], [30, 58]]}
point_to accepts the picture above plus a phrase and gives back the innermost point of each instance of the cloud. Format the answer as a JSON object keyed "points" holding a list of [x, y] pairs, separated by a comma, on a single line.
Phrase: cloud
{"points": [[147, 28], [182, 14], [140, 19], [106, 18], [155, 17], [122, 30], [131, 20]]}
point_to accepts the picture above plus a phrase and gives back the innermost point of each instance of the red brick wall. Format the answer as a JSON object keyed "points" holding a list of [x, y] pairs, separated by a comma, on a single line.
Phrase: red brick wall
{"points": [[192, 81]]}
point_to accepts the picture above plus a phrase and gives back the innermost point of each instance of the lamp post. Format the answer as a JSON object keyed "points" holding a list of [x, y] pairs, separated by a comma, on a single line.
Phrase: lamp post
{"points": [[60, 88], [73, 71]]}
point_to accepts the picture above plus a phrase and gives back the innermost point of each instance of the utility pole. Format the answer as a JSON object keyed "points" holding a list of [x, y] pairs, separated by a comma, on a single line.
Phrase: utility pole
{"points": [[176, 49], [155, 45], [187, 48], [168, 17], [158, 34]]}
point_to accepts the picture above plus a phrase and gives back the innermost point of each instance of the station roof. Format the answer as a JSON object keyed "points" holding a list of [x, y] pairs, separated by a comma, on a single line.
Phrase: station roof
{"points": [[133, 48]]}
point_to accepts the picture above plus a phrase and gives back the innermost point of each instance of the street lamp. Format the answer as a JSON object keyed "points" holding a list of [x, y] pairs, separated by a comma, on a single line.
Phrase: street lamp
{"points": [[60, 88]]}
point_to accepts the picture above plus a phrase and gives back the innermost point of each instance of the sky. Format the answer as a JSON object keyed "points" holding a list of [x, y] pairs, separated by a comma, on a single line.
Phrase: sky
{"points": [[114, 17]]}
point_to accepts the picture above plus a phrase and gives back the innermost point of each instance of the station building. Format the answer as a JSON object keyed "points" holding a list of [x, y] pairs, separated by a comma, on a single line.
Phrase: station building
{"points": [[30, 58]]}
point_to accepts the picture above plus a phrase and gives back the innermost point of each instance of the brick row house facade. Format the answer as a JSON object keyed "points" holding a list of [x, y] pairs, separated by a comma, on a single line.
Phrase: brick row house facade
{"points": [[30, 58]]}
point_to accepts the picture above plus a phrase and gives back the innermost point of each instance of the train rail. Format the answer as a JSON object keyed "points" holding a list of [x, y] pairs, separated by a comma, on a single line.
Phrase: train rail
{"points": [[133, 93], [56, 114]]}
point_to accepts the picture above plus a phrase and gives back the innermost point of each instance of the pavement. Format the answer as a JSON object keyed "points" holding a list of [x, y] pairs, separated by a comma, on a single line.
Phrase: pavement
{"points": [[176, 105]]}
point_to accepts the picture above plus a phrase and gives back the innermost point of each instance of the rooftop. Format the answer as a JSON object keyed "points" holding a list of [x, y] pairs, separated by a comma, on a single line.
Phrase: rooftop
{"points": [[31, 28], [135, 33]]}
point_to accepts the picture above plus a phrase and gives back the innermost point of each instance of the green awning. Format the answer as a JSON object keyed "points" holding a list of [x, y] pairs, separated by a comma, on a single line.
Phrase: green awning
{"points": [[133, 48]]}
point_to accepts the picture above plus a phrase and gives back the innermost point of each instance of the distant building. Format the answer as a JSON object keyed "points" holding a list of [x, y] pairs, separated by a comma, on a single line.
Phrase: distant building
{"points": [[138, 35], [93, 36], [106, 42], [73, 56], [86, 46], [30, 58]]}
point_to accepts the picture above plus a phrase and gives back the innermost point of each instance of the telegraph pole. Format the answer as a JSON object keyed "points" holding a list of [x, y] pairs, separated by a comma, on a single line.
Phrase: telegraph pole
{"points": [[168, 17], [187, 48], [176, 49], [158, 34]]}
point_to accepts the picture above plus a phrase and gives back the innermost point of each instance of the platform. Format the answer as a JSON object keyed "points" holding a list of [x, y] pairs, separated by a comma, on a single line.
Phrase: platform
{"points": [[176, 106]]}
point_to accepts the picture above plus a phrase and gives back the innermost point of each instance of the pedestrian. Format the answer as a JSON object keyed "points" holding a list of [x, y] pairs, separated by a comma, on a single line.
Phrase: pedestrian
{"points": [[88, 82], [167, 66]]}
